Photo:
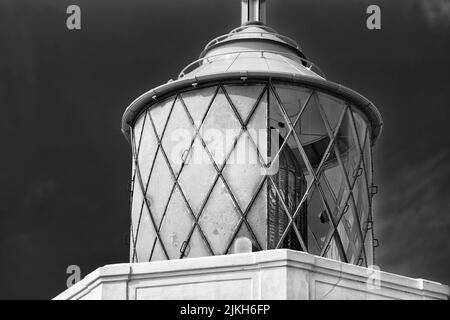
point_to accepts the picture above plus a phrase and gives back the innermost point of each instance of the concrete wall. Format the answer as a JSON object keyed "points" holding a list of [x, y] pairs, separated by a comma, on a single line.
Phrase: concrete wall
{"points": [[274, 274]]}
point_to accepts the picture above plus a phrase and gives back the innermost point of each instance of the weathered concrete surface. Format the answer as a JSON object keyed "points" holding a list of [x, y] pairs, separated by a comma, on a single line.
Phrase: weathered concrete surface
{"points": [[274, 274]]}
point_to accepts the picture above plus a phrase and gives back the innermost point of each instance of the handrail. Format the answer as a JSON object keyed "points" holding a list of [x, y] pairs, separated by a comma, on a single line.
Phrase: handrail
{"points": [[262, 35], [197, 63], [261, 26]]}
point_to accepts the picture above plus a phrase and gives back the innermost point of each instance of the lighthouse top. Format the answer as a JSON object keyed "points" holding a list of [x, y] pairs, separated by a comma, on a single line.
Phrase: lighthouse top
{"points": [[250, 52]]}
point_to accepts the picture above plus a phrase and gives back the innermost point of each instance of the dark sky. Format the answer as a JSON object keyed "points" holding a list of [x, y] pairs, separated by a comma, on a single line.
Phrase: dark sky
{"points": [[65, 165]]}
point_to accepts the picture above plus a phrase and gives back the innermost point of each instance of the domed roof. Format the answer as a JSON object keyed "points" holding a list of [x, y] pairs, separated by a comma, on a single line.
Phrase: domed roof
{"points": [[253, 32], [252, 47], [252, 51]]}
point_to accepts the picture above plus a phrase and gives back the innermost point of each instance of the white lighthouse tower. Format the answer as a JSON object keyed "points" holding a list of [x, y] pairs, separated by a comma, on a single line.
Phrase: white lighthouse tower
{"points": [[252, 179]]}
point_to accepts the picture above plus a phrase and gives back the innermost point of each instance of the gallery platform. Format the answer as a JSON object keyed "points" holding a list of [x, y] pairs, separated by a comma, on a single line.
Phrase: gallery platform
{"points": [[271, 275]]}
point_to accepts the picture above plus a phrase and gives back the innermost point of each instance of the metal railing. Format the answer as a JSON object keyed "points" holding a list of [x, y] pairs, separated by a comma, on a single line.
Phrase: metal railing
{"points": [[260, 35], [284, 56]]}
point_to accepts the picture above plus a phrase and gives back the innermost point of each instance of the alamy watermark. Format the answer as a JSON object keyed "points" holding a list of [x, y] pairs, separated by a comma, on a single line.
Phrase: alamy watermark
{"points": [[73, 21], [74, 273], [374, 19], [247, 148]]}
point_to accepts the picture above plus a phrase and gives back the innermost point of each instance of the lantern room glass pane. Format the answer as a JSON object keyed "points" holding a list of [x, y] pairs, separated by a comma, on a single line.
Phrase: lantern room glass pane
{"points": [[197, 246], [219, 218], [243, 171], [136, 205], [277, 119], [360, 194], [368, 158], [137, 129], [257, 217], [158, 252], [159, 187], [197, 103], [349, 152], [160, 114], [332, 109], [314, 244], [244, 97], [332, 251], [311, 128], [147, 149], [329, 196], [295, 101], [257, 128], [318, 220], [197, 176], [286, 190], [361, 127], [145, 235], [176, 225], [349, 232], [334, 179], [220, 129], [177, 136], [136, 211]]}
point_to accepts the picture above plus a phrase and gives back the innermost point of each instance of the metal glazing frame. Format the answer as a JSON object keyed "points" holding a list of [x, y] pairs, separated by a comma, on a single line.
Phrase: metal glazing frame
{"points": [[313, 185]]}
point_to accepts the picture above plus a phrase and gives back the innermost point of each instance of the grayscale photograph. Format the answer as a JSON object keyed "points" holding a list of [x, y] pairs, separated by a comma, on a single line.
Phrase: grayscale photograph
{"points": [[248, 151]]}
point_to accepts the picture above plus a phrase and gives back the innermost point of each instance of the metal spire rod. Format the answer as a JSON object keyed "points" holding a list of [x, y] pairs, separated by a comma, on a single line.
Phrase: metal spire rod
{"points": [[253, 11]]}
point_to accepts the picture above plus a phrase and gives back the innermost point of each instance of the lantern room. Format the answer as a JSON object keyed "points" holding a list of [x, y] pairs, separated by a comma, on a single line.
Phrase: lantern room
{"points": [[251, 142]]}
